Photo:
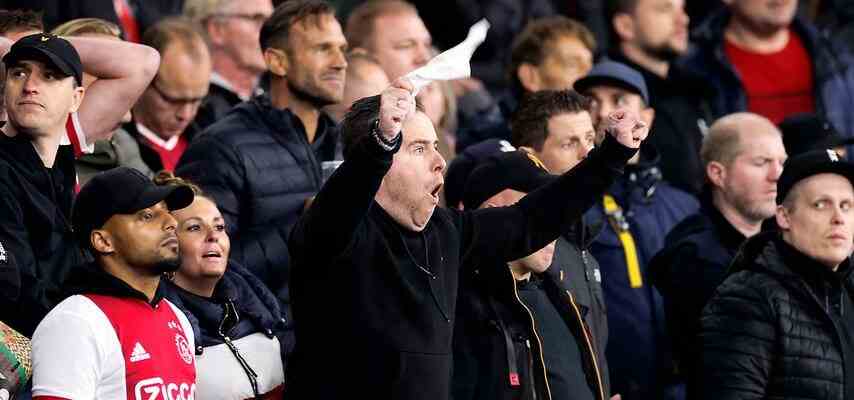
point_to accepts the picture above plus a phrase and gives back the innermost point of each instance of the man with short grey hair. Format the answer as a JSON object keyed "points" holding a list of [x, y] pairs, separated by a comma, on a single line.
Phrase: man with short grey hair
{"points": [[776, 327], [232, 29]]}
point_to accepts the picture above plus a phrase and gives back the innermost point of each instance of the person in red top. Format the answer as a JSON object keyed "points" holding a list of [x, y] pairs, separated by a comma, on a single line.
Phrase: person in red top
{"points": [[164, 114], [116, 337], [760, 57]]}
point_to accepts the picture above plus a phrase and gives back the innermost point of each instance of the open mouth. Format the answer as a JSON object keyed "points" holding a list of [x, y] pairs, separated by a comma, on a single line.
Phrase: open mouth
{"points": [[435, 191], [212, 254]]}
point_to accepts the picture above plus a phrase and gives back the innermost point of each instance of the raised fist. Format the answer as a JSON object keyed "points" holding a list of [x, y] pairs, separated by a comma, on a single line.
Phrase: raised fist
{"points": [[627, 127], [396, 104]]}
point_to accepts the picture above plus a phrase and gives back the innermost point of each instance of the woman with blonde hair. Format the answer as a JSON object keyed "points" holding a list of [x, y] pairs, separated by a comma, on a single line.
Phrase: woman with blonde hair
{"points": [[242, 335]]}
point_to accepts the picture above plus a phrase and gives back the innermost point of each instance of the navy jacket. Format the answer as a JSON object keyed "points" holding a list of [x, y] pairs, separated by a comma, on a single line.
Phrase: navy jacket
{"points": [[637, 352], [259, 168], [688, 270], [833, 70]]}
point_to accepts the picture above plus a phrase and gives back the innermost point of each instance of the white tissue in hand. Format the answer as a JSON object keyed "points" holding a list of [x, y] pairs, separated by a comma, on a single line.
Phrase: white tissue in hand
{"points": [[453, 63]]}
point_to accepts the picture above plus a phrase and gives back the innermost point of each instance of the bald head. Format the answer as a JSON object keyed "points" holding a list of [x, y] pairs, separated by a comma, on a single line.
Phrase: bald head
{"points": [[727, 136]]}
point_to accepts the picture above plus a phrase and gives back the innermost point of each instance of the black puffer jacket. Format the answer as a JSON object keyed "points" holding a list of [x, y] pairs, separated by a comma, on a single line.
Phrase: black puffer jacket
{"points": [[259, 168], [775, 328]]}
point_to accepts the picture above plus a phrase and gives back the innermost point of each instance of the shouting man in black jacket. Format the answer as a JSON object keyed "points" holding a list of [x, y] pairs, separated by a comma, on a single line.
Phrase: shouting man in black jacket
{"points": [[375, 272], [777, 326]]}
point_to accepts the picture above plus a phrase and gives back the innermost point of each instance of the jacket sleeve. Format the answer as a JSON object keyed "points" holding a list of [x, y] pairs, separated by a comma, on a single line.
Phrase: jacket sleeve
{"points": [[26, 298], [737, 343], [329, 228], [502, 234], [218, 169]]}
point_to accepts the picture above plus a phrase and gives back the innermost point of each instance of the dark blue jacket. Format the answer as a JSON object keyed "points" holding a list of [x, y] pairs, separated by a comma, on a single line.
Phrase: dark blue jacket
{"points": [[637, 350], [259, 168], [833, 72], [687, 272]]}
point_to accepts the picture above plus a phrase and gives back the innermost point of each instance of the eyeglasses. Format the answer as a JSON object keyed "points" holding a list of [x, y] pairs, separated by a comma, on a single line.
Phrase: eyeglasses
{"points": [[176, 101], [257, 18]]}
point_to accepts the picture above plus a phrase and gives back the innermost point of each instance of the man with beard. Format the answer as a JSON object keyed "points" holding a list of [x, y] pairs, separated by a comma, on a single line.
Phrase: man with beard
{"points": [[761, 57], [116, 335], [743, 156], [376, 273], [263, 160], [648, 35]]}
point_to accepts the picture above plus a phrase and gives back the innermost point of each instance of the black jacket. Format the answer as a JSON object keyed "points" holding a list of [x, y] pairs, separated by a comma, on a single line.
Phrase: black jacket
{"points": [[688, 270], [259, 168], [217, 103], [373, 312], [495, 335], [776, 328], [682, 117], [35, 230], [256, 308]]}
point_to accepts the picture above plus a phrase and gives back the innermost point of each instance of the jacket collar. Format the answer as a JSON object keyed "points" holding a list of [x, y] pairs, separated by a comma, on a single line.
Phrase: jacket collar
{"points": [[730, 237]]}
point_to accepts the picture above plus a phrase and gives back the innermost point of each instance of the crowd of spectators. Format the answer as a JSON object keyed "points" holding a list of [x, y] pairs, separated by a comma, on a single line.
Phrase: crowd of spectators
{"points": [[627, 199]]}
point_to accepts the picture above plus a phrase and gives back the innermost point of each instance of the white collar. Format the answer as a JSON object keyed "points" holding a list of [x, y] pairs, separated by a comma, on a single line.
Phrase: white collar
{"points": [[156, 140]]}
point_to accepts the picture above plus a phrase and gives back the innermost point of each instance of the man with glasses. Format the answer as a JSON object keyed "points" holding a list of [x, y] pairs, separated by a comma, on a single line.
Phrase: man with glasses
{"points": [[232, 29], [163, 115]]}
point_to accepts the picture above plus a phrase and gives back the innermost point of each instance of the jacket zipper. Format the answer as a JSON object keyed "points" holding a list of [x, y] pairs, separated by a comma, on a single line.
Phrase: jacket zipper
{"points": [[536, 336], [250, 373], [533, 385], [589, 343]]}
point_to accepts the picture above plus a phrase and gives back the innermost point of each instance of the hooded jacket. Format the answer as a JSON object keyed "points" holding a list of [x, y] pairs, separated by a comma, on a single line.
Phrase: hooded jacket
{"points": [[778, 327]]}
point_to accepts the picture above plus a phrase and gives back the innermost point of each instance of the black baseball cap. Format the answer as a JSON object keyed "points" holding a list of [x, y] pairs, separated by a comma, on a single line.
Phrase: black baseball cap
{"points": [[612, 73], [121, 190], [518, 170], [811, 163], [57, 51], [808, 131], [464, 163]]}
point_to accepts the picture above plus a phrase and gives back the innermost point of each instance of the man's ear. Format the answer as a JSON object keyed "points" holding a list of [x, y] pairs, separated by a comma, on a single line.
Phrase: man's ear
{"points": [[716, 173], [648, 115], [624, 26], [102, 241], [782, 217], [77, 98], [529, 77], [216, 31], [277, 61]]}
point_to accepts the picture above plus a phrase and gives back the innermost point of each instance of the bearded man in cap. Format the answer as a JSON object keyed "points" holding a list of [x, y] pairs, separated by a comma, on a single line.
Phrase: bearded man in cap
{"points": [[781, 324], [116, 335]]}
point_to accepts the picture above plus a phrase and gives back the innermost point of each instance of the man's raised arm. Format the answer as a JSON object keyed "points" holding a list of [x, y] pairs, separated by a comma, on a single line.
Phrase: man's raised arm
{"points": [[344, 201], [123, 71], [509, 233]]}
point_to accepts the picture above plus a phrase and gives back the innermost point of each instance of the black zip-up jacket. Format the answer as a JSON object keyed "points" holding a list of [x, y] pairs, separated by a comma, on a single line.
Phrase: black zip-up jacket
{"points": [[373, 320], [497, 348], [257, 165], [775, 328], [35, 230]]}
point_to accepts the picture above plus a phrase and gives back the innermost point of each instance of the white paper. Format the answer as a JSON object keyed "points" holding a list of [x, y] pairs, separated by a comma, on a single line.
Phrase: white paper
{"points": [[453, 63]]}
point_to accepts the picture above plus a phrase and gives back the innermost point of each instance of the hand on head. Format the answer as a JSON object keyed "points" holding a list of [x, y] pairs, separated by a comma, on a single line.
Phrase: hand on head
{"points": [[627, 127], [396, 104]]}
